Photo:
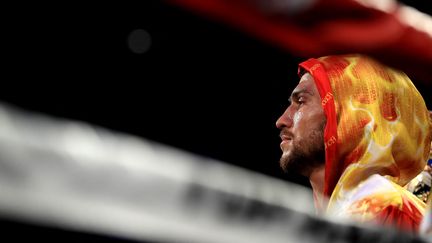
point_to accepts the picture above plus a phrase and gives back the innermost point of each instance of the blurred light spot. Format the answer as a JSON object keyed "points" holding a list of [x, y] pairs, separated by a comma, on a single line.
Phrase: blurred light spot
{"points": [[139, 41], [384, 5]]}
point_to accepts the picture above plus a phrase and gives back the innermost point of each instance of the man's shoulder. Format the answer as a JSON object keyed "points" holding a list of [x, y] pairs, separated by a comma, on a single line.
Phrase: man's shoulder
{"points": [[380, 191], [378, 199]]}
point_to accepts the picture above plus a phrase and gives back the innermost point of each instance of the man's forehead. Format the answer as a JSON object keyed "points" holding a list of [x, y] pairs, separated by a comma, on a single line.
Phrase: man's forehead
{"points": [[306, 77], [306, 83]]}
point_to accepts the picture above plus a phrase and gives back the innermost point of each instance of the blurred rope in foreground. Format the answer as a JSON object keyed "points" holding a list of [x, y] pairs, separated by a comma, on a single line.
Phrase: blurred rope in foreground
{"points": [[72, 175]]}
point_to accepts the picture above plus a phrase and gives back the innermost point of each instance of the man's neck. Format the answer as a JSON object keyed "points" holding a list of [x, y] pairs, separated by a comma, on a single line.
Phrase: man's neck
{"points": [[316, 179]]}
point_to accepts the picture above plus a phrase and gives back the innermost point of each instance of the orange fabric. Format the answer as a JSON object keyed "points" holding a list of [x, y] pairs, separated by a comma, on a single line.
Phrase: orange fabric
{"points": [[377, 124]]}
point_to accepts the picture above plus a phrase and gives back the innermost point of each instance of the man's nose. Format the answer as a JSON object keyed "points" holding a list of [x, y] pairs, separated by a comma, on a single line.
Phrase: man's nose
{"points": [[285, 120]]}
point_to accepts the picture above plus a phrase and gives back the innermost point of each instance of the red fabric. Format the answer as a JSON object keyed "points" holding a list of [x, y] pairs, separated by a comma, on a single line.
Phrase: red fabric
{"points": [[332, 169]]}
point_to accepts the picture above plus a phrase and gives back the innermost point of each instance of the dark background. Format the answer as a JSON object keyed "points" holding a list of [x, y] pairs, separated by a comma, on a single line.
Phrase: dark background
{"points": [[202, 86]]}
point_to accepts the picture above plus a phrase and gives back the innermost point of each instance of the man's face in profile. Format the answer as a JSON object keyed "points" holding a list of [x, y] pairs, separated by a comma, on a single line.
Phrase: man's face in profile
{"points": [[302, 129]]}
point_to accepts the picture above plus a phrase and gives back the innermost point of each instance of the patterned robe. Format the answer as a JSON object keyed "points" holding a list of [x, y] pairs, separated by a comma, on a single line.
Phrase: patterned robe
{"points": [[377, 139]]}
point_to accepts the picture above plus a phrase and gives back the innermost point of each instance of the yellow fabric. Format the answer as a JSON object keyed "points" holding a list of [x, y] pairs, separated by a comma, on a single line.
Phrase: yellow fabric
{"points": [[383, 126]]}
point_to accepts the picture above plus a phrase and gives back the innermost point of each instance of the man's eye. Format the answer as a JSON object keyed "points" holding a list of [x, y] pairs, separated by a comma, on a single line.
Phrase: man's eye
{"points": [[301, 100]]}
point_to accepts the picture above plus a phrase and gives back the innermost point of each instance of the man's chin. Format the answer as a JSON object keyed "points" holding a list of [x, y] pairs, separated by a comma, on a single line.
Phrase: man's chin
{"points": [[291, 164], [287, 164]]}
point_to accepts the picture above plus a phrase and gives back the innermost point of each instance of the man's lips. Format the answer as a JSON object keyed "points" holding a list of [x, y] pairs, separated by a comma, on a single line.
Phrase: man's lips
{"points": [[285, 137]]}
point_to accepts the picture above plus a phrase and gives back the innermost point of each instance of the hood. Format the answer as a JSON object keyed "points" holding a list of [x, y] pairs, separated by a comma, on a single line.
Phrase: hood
{"points": [[377, 122]]}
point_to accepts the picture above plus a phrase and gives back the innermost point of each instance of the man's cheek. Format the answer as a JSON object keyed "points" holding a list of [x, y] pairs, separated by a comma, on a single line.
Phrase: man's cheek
{"points": [[297, 117]]}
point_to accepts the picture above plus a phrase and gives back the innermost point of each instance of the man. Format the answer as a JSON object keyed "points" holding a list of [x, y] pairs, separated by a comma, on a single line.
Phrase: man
{"points": [[359, 131]]}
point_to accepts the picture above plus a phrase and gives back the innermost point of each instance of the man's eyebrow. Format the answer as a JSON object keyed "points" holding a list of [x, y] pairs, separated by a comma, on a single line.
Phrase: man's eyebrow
{"points": [[296, 93]]}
